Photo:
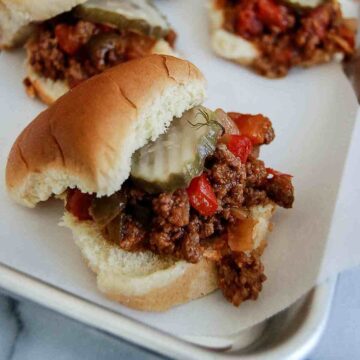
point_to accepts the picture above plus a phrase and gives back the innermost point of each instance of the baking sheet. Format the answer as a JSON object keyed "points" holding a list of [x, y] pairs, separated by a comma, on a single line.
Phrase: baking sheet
{"points": [[291, 334], [313, 113]]}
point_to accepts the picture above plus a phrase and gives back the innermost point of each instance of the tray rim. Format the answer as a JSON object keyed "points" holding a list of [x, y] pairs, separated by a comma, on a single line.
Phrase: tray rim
{"points": [[135, 332]]}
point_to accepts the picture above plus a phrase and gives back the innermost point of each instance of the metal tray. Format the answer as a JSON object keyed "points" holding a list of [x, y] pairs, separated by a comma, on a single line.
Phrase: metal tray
{"points": [[291, 334]]}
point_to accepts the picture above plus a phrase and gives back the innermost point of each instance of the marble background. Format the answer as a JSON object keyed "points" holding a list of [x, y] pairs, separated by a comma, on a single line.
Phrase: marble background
{"points": [[29, 332]]}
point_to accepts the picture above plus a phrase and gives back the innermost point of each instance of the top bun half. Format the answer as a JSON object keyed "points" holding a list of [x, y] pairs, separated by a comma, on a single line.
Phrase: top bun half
{"points": [[17, 15], [87, 137]]}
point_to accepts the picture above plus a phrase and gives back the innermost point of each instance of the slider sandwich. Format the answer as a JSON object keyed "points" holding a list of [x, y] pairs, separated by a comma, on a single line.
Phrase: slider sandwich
{"points": [[167, 199], [68, 41], [272, 36]]}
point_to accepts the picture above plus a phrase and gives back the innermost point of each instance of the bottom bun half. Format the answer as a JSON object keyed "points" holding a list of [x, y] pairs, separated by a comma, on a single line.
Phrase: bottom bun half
{"points": [[144, 280]]}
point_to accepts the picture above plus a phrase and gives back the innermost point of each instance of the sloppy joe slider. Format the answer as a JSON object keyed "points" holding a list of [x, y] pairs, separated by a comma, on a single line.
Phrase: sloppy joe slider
{"points": [[71, 40], [167, 199], [272, 36]]}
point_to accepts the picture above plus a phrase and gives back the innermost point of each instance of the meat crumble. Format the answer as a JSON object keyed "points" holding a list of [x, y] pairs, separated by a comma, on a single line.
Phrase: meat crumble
{"points": [[241, 276], [167, 224], [73, 50], [288, 36]]}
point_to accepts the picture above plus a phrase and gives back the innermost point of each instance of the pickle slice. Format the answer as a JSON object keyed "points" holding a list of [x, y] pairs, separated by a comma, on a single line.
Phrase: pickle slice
{"points": [[176, 157], [137, 15]]}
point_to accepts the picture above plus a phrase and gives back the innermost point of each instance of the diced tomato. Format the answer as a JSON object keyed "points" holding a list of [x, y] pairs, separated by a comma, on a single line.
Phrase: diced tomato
{"points": [[78, 204], [273, 172], [240, 145], [272, 14], [255, 127], [67, 38], [202, 196], [247, 23]]}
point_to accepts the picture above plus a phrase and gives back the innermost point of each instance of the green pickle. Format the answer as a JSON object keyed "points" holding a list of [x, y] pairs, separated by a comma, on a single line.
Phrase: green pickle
{"points": [[137, 15], [105, 209], [176, 157]]}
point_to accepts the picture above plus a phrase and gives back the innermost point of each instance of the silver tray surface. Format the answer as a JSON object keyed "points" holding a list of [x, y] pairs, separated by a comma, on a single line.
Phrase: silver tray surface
{"points": [[291, 334]]}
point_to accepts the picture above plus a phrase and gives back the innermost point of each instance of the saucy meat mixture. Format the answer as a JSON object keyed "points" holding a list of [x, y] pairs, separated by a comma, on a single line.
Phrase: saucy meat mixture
{"points": [[73, 50], [288, 35], [207, 218]]}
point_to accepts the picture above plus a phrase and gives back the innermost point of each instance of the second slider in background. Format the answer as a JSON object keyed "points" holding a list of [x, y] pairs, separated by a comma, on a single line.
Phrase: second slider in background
{"points": [[67, 42]]}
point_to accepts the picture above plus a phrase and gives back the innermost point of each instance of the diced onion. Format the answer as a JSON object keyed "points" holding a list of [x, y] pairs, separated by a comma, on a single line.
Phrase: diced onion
{"points": [[229, 125]]}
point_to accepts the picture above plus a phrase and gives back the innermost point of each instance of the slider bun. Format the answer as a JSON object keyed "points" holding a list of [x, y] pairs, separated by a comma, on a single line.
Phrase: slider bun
{"points": [[87, 137], [16, 16], [144, 280], [48, 91]]}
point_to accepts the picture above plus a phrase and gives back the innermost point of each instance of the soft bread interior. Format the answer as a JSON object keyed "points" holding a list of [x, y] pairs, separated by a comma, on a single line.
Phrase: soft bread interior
{"points": [[226, 44], [48, 91], [16, 16], [146, 281]]}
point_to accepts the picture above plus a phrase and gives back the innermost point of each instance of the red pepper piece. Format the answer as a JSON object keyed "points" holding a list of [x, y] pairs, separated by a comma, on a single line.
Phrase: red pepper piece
{"points": [[272, 14], [247, 23], [78, 204], [273, 172], [256, 127], [202, 196], [240, 145], [67, 38]]}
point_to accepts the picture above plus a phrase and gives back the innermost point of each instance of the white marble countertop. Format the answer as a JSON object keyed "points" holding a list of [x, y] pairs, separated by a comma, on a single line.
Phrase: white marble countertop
{"points": [[29, 332]]}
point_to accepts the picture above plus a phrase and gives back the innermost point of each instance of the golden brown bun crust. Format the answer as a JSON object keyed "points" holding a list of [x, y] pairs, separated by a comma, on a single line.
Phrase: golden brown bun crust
{"points": [[86, 138]]}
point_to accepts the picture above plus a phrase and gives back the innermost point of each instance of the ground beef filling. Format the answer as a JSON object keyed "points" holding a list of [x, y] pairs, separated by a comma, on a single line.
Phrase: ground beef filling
{"points": [[167, 224], [287, 36], [74, 50], [241, 276]]}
